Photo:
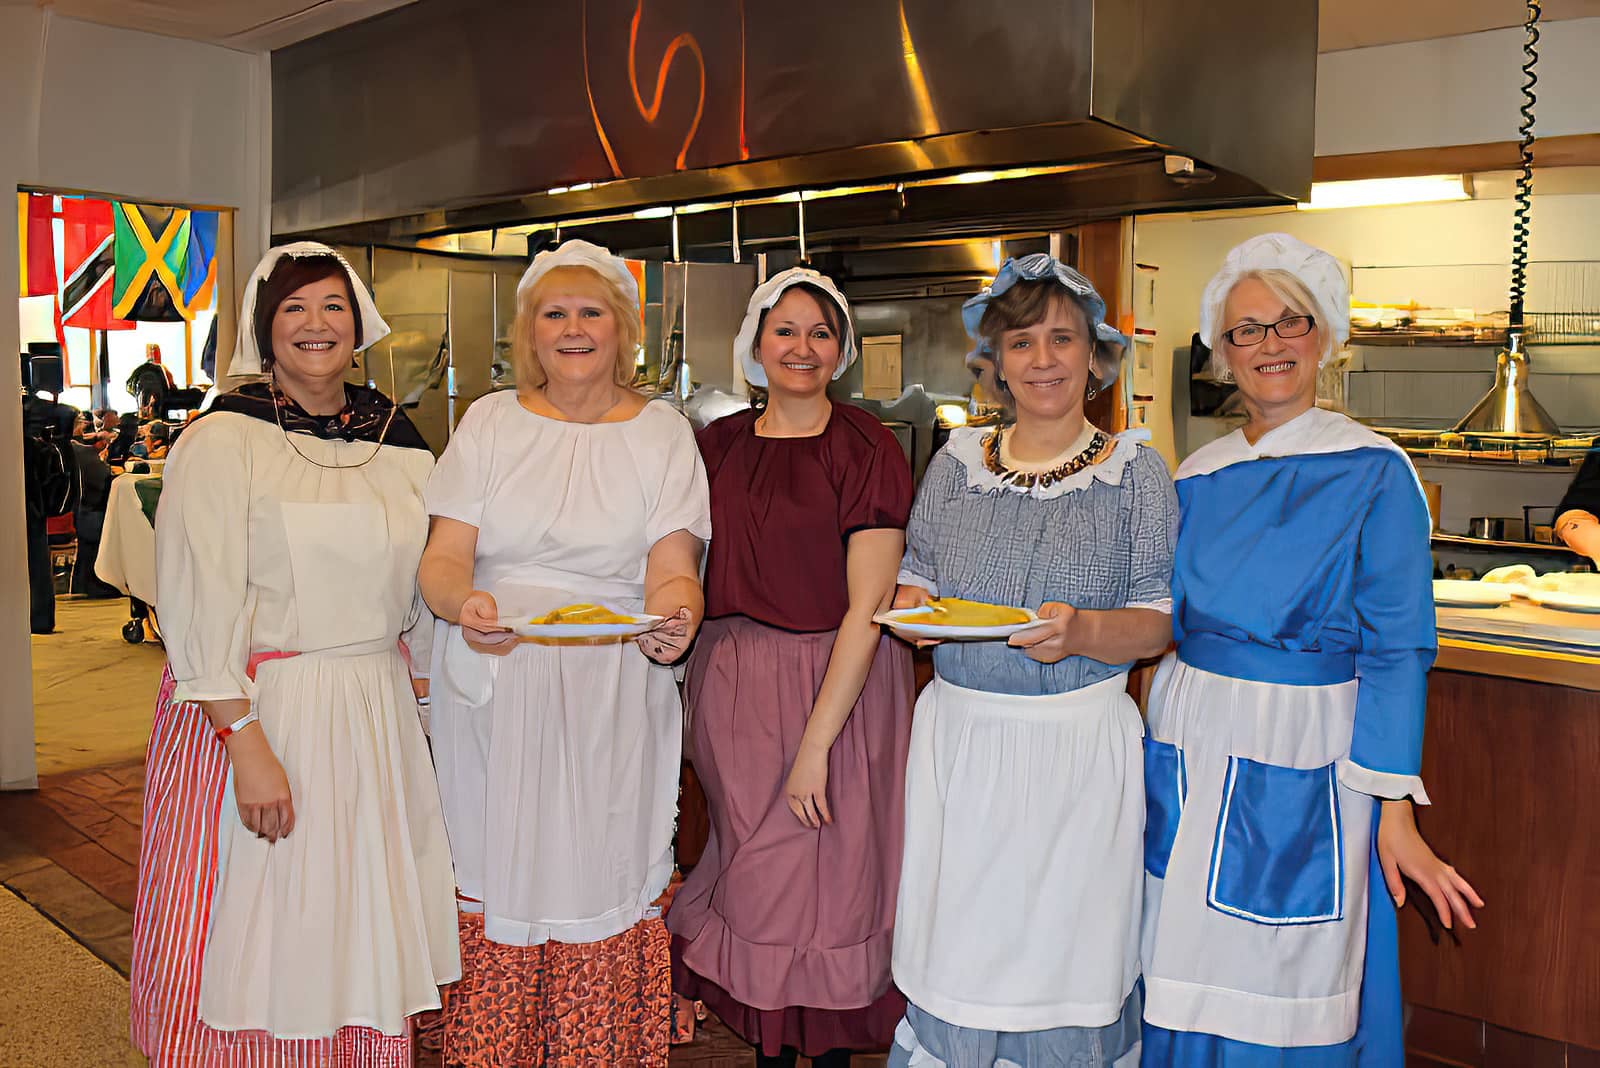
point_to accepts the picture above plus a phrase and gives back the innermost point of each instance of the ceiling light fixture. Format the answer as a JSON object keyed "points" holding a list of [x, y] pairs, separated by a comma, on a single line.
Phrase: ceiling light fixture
{"points": [[1375, 192]]}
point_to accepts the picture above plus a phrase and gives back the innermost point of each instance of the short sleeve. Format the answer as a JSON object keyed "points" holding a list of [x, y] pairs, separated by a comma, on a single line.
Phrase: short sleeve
{"points": [[1584, 493], [1395, 621], [202, 561], [457, 487], [875, 491], [918, 566], [1155, 533], [683, 499]]}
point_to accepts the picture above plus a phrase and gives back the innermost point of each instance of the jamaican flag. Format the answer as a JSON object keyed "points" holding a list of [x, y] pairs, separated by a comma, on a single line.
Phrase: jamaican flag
{"points": [[152, 249]]}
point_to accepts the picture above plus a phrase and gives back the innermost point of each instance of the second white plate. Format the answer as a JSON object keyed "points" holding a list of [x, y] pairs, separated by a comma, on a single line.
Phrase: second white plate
{"points": [[1469, 593]]}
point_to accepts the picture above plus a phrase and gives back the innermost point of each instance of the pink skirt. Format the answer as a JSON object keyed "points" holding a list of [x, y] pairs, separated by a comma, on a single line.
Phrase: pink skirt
{"points": [[186, 769], [783, 930]]}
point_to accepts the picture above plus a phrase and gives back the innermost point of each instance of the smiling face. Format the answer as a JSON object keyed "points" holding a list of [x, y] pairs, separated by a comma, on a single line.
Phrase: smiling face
{"points": [[1046, 365], [314, 331], [798, 345], [1277, 376], [575, 329]]}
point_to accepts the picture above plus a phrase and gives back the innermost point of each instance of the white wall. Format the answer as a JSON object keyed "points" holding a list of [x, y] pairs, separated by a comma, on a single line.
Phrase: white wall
{"points": [[1455, 90], [95, 109]]}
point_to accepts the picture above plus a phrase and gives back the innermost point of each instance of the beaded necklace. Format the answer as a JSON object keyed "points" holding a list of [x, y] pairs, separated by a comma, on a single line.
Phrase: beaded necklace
{"points": [[1040, 479]]}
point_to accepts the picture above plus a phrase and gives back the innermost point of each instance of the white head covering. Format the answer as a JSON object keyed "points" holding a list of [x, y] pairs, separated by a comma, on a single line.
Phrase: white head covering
{"points": [[769, 293], [1316, 269], [247, 354], [580, 253]]}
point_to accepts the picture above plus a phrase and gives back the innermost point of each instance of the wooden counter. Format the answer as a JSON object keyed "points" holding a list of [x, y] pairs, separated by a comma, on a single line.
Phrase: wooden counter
{"points": [[1512, 763]]}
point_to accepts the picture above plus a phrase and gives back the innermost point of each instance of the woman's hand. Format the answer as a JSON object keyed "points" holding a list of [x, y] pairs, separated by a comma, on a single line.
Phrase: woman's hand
{"points": [[1401, 851], [260, 787], [1052, 640], [670, 639], [807, 786], [480, 625], [913, 597]]}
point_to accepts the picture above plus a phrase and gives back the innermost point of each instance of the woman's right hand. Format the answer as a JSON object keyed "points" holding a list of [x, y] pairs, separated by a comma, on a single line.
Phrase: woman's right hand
{"points": [[480, 625], [913, 597], [260, 786]]}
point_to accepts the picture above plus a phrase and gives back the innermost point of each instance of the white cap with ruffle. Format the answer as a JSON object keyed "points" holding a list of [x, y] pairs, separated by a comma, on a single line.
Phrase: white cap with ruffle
{"points": [[769, 293], [247, 354]]}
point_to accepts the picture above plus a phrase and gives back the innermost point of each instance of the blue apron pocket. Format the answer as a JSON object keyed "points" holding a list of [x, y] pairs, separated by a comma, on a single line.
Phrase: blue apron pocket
{"points": [[1166, 788], [1278, 856]]}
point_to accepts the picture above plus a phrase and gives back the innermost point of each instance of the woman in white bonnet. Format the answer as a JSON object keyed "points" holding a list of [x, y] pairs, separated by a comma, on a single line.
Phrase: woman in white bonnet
{"points": [[1284, 743], [295, 893], [558, 765]]}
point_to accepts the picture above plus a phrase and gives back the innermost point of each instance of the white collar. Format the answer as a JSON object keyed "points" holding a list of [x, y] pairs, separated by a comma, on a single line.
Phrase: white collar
{"points": [[966, 446]]}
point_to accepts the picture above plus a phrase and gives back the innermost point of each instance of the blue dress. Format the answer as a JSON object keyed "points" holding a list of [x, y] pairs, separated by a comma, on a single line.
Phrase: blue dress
{"points": [[1303, 613], [1017, 926]]}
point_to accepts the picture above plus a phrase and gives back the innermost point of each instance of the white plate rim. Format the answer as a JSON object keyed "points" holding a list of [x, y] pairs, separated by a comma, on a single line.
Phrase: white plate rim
{"points": [[1493, 594], [1564, 602], [642, 622], [895, 620]]}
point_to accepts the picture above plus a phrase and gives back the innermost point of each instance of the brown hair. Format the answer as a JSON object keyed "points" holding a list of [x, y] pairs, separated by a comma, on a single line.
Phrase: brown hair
{"points": [[525, 361], [291, 273], [1025, 304], [832, 314]]}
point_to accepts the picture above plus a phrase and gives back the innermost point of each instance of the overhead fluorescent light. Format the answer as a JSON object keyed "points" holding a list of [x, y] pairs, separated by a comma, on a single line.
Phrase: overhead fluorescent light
{"points": [[660, 211], [1372, 192], [974, 177]]}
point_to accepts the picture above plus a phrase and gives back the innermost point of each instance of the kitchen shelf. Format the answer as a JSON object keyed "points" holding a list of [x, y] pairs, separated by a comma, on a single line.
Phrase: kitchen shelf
{"points": [[1462, 541]]}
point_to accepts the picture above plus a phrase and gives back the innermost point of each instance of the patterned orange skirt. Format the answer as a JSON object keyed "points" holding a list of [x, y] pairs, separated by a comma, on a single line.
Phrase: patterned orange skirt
{"points": [[564, 1005]]}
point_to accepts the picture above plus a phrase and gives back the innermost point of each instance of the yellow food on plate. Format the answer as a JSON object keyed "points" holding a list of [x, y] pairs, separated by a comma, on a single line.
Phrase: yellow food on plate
{"points": [[956, 612], [583, 615]]}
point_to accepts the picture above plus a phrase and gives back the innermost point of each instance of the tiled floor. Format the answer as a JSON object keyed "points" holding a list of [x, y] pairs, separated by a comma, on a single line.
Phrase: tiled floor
{"points": [[71, 848]]}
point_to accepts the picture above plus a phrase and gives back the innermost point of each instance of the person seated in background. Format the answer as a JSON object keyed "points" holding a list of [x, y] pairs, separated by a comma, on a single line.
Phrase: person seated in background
{"points": [[152, 443], [119, 448]]}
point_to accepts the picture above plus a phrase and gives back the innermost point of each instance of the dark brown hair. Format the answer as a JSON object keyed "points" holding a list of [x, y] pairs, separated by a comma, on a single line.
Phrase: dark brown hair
{"points": [[290, 274], [832, 314]]}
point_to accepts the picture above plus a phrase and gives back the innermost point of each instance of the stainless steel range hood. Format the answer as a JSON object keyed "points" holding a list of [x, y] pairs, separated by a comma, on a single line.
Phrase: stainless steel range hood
{"points": [[456, 115]]}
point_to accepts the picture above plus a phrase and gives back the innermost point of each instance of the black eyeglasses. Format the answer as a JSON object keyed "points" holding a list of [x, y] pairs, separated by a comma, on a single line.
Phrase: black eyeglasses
{"points": [[1290, 326]]}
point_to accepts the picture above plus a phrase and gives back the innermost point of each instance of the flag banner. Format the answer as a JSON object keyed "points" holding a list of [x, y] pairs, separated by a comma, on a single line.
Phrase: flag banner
{"points": [[88, 255], [200, 268], [37, 241], [152, 245]]}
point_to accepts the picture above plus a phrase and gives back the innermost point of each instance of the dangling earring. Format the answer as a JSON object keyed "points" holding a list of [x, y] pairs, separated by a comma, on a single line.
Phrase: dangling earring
{"points": [[1000, 380], [1092, 394]]}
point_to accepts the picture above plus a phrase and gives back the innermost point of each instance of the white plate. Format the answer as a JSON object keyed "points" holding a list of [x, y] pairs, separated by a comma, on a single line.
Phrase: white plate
{"points": [[1469, 593], [904, 622], [1563, 601], [641, 623]]}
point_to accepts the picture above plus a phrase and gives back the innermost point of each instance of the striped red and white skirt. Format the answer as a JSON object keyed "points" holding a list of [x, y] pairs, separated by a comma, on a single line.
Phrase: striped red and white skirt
{"points": [[186, 770]]}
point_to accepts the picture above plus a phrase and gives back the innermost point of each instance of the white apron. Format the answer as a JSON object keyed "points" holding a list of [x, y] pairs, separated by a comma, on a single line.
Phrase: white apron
{"points": [[1020, 888]]}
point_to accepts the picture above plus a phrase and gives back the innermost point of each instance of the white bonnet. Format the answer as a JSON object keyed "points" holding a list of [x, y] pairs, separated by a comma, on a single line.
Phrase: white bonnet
{"points": [[1318, 271], [247, 353], [580, 253], [766, 295]]}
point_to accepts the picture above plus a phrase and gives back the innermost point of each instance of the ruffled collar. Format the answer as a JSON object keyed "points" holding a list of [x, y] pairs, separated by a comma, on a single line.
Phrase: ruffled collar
{"points": [[364, 417], [966, 447]]}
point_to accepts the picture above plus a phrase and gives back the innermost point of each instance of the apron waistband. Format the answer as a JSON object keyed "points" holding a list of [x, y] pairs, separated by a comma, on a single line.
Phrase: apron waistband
{"points": [[1261, 663]]}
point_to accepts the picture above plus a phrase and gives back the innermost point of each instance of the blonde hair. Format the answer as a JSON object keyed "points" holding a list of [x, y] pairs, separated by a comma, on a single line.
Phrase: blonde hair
{"points": [[1296, 296], [525, 361]]}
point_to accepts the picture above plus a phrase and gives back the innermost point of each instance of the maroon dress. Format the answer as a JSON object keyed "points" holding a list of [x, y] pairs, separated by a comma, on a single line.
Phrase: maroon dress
{"points": [[785, 931]]}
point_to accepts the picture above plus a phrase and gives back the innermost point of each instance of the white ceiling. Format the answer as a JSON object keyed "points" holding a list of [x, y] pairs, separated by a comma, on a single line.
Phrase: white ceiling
{"points": [[250, 25], [1359, 23], [268, 24]]}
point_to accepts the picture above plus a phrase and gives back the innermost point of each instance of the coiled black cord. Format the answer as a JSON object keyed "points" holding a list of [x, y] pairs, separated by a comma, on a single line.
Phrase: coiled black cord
{"points": [[1524, 194]]}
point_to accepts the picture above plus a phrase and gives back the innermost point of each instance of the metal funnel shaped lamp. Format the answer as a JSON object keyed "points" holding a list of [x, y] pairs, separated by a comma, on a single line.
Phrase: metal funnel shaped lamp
{"points": [[1509, 407]]}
